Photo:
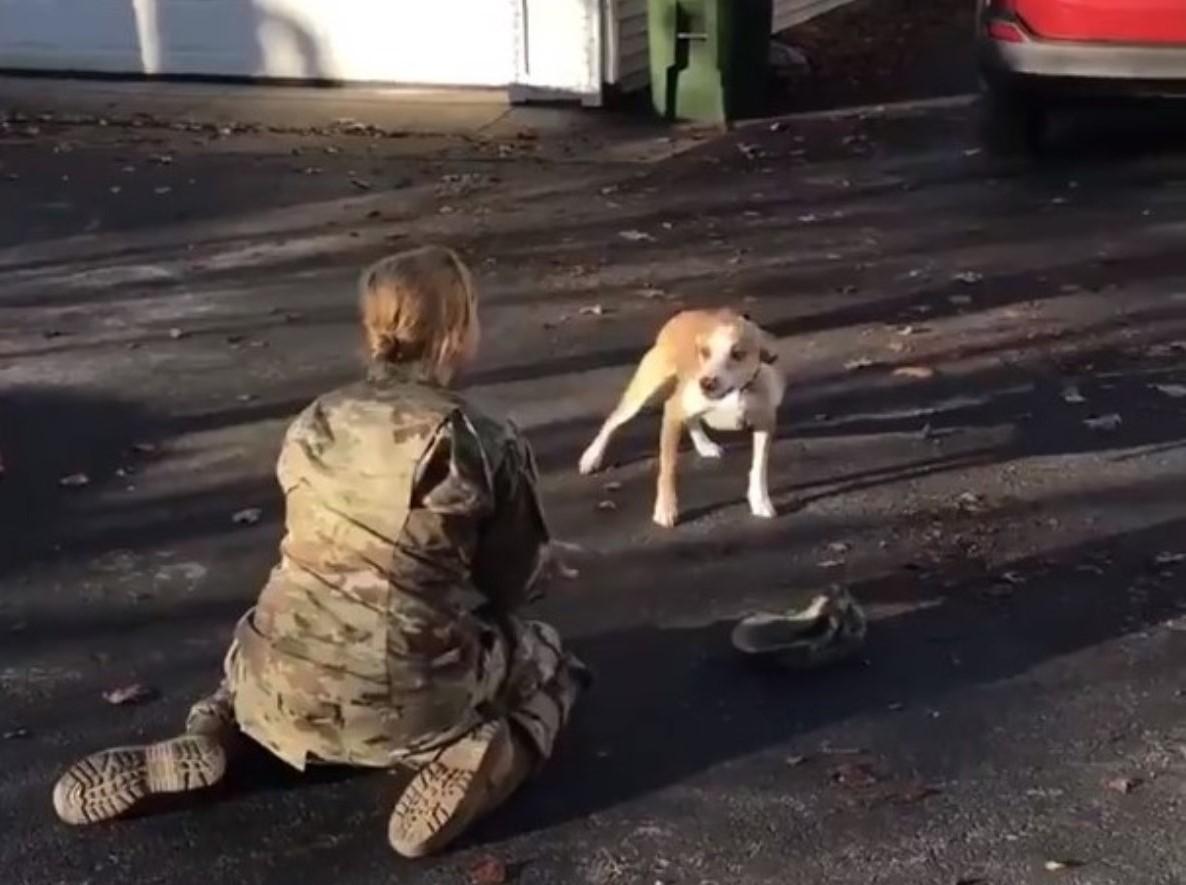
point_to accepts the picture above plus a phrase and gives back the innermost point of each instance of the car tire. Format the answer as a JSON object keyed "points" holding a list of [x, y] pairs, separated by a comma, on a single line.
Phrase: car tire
{"points": [[1013, 122]]}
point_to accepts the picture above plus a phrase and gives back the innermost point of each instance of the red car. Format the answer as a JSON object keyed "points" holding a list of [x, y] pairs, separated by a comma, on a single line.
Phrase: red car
{"points": [[1034, 54]]}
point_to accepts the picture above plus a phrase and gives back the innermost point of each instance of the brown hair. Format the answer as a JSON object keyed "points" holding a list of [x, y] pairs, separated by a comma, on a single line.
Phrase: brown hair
{"points": [[417, 308]]}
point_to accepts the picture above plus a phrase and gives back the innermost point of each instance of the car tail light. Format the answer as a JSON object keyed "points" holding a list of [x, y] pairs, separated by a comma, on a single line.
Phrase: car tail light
{"points": [[1005, 31], [1001, 21]]}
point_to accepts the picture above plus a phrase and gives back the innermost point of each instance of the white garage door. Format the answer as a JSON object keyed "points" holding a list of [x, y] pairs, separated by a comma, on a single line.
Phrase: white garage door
{"points": [[429, 42]]}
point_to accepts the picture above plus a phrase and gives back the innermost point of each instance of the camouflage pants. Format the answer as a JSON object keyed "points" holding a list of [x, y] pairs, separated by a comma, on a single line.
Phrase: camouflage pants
{"points": [[529, 679]]}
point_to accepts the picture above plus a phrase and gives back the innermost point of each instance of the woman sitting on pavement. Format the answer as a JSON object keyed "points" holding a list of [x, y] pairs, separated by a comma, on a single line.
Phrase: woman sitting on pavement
{"points": [[386, 636]]}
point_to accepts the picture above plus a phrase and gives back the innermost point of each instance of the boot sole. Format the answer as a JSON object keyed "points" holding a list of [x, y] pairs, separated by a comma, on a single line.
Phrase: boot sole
{"points": [[111, 783], [440, 802]]}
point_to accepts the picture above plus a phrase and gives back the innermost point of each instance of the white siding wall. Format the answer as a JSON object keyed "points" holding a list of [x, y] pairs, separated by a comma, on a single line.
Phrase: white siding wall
{"points": [[445, 42], [628, 57], [626, 47], [788, 13]]}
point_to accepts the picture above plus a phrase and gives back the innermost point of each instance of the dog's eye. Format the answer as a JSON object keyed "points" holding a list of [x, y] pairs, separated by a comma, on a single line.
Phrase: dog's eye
{"points": [[736, 354]]}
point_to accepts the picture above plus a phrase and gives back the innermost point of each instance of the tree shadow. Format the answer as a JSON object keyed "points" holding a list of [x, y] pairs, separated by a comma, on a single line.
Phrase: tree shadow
{"points": [[60, 447]]}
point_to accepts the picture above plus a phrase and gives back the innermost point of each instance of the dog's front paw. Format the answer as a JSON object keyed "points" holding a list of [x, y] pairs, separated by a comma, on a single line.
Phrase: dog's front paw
{"points": [[706, 448], [591, 460], [761, 506], [666, 513]]}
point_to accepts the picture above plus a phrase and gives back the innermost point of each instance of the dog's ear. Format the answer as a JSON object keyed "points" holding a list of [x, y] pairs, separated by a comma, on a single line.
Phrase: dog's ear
{"points": [[767, 343]]}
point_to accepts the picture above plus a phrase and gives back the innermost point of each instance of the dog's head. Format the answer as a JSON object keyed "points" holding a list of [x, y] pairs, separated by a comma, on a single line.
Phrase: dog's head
{"points": [[731, 353]]}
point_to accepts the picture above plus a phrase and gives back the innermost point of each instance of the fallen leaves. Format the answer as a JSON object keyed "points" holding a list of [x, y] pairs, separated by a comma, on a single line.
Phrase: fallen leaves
{"points": [[1168, 558], [855, 775], [1071, 394], [74, 481], [968, 277], [1123, 785], [136, 693], [1055, 866], [607, 506], [919, 373], [636, 236], [489, 870], [247, 516], [861, 362], [1107, 422], [1173, 391], [14, 734]]}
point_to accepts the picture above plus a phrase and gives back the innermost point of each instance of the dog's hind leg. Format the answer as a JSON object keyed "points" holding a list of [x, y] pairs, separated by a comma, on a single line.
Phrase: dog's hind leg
{"points": [[653, 376]]}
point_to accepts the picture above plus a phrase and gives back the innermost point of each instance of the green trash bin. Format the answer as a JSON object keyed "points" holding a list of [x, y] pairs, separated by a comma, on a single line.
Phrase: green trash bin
{"points": [[709, 58]]}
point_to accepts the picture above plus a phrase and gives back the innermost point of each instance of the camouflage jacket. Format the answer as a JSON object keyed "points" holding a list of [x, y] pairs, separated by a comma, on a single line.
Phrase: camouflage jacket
{"points": [[407, 512]]}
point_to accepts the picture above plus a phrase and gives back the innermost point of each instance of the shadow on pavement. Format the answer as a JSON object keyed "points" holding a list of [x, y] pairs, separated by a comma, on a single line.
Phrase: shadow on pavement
{"points": [[671, 704]]}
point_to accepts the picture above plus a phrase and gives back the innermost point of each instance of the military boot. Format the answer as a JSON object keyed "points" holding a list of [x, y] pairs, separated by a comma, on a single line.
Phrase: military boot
{"points": [[827, 628], [111, 783], [458, 785]]}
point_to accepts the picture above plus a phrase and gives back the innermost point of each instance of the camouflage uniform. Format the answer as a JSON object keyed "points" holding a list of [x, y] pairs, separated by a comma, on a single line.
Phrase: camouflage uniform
{"points": [[387, 630]]}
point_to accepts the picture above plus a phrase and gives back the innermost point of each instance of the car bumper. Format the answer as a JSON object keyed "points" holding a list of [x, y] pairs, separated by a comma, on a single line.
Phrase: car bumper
{"points": [[1093, 68]]}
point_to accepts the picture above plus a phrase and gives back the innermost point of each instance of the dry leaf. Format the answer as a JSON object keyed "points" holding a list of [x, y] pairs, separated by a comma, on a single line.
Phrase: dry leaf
{"points": [[794, 761], [1053, 866], [968, 277], [593, 310], [14, 734], [855, 775], [861, 362], [136, 693], [606, 505], [143, 448], [1124, 784], [176, 333], [361, 184], [75, 480], [831, 563], [1167, 558], [841, 751], [1104, 422], [488, 870], [1175, 391], [161, 191], [1071, 394], [919, 372], [915, 793], [636, 236], [248, 516]]}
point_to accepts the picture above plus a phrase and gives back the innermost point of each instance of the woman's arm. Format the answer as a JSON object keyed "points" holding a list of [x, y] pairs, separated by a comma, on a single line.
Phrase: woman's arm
{"points": [[513, 539]]}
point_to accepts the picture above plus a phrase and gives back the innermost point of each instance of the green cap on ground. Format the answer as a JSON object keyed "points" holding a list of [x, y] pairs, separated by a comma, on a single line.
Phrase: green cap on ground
{"points": [[827, 628]]}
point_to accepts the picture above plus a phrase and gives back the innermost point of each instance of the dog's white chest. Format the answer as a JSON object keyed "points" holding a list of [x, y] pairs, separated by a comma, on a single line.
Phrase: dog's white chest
{"points": [[735, 410], [728, 413]]}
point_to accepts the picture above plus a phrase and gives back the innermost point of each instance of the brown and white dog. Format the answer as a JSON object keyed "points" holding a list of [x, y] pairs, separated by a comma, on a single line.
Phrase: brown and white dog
{"points": [[715, 368]]}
